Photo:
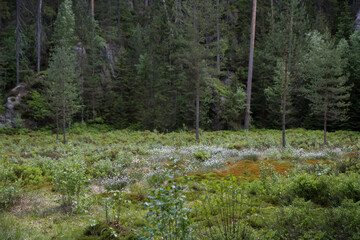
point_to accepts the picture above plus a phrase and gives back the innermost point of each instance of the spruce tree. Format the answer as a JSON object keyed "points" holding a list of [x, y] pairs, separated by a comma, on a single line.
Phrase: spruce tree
{"points": [[326, 82]]}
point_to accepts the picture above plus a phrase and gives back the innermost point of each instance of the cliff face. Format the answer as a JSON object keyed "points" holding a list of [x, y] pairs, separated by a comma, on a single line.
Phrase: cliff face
{"points": [[357, 21], [12, 104]]}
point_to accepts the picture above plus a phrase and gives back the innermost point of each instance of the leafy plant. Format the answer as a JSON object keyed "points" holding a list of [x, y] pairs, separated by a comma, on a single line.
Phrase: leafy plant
{"points": [[201, 156], [167, 216], [70, 178]]}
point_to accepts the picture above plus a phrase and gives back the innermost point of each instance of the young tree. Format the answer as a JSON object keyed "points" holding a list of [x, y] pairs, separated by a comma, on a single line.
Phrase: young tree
{"points": [[326, 80], [250, 71], [62, 81], [284, 44]]}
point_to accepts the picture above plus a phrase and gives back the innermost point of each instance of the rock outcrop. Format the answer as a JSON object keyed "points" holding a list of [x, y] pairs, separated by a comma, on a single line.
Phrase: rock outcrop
{"points": [[11, 104]]}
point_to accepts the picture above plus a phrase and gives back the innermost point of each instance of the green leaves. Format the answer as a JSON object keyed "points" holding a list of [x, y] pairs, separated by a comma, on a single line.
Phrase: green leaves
{"points": [[167, 216]]}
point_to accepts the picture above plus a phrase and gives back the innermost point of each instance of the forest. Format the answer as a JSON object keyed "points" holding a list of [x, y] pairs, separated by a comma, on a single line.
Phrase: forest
{"points": [[138, 63], [179, 119]]}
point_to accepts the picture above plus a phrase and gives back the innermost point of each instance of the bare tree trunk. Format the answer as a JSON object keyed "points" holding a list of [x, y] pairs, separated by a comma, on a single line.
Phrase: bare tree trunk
{"points": [[197, 75], [92, 8], [119, 22], [250, 71], [39, 36], [146, 3], [272, 9], [287, 58], [284, 102], [218, 38], [17, 41]]}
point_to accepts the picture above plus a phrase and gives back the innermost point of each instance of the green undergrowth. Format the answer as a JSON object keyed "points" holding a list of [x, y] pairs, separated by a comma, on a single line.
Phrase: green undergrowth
{"points": [[149, 185]]}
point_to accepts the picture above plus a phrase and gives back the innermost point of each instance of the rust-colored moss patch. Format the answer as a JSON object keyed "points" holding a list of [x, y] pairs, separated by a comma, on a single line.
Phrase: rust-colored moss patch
{"points": [[250, 170], [313, 162]]}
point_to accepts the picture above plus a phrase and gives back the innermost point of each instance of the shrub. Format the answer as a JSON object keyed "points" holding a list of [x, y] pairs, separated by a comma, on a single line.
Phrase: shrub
{"points": [[294, 222], [70, 178], [8, 193], [167, 216], [342, 222], [310, 187], [201, 156], [28, 174]]}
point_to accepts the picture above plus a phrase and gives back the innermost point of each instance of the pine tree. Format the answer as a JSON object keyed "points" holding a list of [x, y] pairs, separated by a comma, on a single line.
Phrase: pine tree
{"points": [[62, 79], [326, 87]]}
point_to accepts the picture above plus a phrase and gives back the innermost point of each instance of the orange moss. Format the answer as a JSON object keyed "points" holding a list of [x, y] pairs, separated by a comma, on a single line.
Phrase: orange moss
{"points": [[352, 155], [251, 170], [313, 162]]}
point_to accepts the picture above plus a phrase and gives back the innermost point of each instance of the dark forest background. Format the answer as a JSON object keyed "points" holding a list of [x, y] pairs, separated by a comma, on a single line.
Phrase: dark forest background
{"points": [[136, 62]]}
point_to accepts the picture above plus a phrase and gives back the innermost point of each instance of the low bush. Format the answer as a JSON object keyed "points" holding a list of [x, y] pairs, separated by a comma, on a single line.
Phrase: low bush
{"points": [[70, 178]]}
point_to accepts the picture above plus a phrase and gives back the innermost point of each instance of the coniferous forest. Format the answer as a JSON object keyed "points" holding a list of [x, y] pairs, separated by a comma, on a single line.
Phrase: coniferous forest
{"points": [[152, 64], [179, 119]]}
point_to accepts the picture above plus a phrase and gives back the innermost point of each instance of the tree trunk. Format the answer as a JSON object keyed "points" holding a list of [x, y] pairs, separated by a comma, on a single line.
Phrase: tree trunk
{"points": [[146, 3], [92, 8], [287, 58], [57, 123], [63, 111], [39, 36], [272, 9], [284, 101], [17, 41], [325, 117], [197, 75], [250, 71], [218, 38], [119, 22]]}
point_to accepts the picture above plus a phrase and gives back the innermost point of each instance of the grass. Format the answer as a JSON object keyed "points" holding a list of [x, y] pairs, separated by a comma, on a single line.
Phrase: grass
{"points": [[132, 160]]}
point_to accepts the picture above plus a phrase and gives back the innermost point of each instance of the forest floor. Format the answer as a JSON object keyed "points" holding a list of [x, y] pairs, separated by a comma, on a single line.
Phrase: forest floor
{"points": [[228, 185]]}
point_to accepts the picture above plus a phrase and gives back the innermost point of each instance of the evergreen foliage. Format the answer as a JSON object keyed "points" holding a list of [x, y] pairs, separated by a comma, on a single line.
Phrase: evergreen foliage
{"points": [[136, 62]]}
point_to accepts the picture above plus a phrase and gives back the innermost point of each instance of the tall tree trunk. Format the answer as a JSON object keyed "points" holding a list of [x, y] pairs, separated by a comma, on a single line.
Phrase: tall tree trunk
{"points": [[197, 75], [146, 3], [18, 2], [287, 61], [119, 22], [284, 101], [272, 9], [92, 8], [218, 37], [250, 71], [39, 36]]}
